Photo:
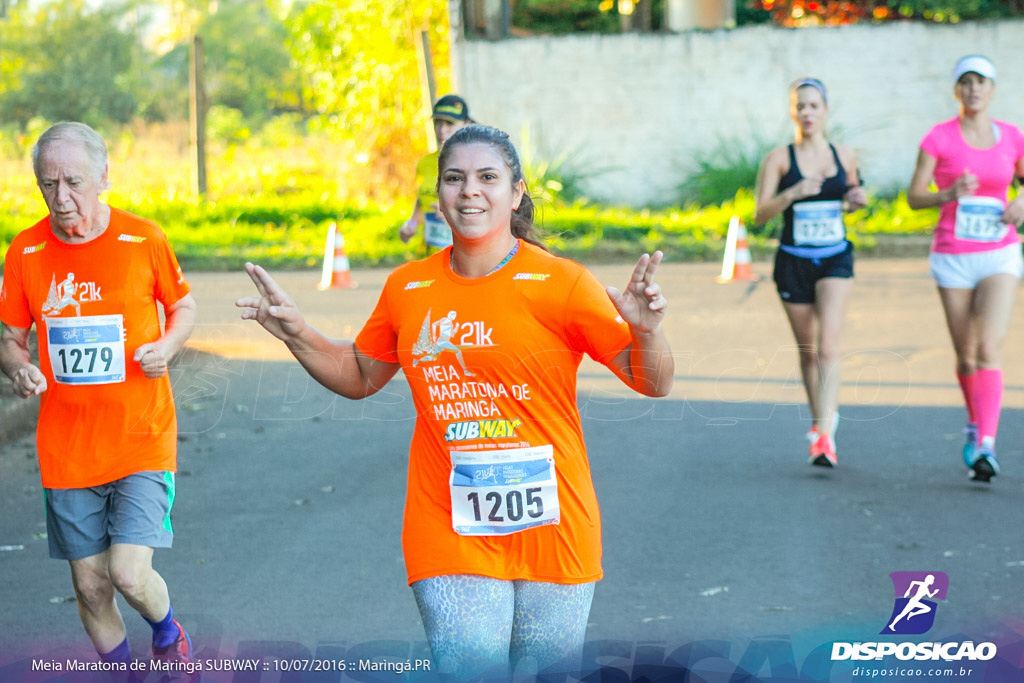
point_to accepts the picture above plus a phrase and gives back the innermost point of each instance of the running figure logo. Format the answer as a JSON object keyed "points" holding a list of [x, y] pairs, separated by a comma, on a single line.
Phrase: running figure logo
{"points": [[435, 338], [914, 612], [62, 295]]}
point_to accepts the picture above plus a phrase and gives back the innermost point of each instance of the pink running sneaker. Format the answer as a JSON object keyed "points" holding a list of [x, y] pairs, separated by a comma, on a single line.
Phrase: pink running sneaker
{"points": [[823, 452]]}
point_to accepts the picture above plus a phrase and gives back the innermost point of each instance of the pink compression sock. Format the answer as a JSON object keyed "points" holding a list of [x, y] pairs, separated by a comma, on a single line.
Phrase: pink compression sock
{"points": [[966, 386], [987, 397]]}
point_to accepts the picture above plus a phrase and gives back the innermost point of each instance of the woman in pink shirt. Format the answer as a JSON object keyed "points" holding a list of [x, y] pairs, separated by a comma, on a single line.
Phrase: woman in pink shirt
{"points": [[976, 253]]}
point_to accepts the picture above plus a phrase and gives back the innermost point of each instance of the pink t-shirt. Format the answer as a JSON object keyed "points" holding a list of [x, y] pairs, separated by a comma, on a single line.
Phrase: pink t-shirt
{"points": [[969, 224]]}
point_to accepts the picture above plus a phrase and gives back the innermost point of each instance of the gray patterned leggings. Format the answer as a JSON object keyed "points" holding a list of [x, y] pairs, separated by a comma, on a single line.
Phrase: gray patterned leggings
{"points": [[477, 625]]}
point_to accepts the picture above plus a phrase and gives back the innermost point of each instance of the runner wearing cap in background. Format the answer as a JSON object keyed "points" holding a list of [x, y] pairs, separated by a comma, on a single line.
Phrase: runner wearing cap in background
{"points": [[450, 114], [810, 182], [976, 253]]}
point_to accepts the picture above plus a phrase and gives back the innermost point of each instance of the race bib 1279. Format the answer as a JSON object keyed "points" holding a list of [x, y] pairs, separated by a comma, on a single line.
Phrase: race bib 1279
{"points": [[86, 349]]}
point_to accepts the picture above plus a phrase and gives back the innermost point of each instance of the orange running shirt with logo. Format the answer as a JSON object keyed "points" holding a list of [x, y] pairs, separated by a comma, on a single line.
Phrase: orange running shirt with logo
{"points": [[96, 426], [492, 363]]}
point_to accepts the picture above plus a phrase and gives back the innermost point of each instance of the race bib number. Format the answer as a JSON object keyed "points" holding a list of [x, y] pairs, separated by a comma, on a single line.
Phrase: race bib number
{"points": [[86, 349], [980, 219], [436, 232], [495, 493], [818, 224]]}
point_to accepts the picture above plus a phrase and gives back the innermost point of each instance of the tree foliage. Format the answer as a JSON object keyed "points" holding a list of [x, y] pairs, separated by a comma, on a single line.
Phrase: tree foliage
{"points": [[360, 74], [811, 12], [602, 16], [350, 68], [565, 16], [113, 62], [63, 61], [248, 65]]}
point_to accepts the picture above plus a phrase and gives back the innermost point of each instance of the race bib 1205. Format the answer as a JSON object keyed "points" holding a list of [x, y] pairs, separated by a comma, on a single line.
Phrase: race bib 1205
{"points": [[495, 493]]}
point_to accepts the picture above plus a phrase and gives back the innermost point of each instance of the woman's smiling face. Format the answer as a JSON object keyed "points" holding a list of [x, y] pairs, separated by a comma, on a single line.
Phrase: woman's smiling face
{"points": [[477, 193]]}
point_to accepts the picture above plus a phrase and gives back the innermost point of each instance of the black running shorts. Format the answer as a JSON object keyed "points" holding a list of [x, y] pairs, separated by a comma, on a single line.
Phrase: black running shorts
{"points": [[796, 277]]}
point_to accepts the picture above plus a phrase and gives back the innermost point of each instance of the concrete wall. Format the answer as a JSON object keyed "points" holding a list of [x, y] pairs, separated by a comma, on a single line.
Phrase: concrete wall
{"points": [[638, 106]]}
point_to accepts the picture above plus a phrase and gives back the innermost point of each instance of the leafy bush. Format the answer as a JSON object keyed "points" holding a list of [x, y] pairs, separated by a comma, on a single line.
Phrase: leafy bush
{"points": [[556, 179], [601, 16], [563, 16], [226, 124], [809, 12], [718, 173]]}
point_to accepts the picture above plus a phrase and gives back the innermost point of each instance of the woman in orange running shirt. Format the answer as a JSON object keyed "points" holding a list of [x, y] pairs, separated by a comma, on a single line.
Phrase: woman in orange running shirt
{"points": [[502, 534]]}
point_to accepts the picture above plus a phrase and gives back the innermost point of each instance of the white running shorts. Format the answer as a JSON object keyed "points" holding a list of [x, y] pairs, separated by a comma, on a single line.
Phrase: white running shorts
{"points": [[965, 271]]}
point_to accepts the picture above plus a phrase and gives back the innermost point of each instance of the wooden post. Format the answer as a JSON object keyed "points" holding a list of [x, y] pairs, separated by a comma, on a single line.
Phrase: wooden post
{"points": [[684, 15], [496, 19], [197, 112], [635, 15], [471, 11], [430, 79], [642, 16], [625, 8], [428, 85]]}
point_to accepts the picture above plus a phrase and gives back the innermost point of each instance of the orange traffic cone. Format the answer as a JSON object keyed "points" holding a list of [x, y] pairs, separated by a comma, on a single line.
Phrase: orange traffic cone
{"points": [[736, 260], [336, 271], [742, 269]]}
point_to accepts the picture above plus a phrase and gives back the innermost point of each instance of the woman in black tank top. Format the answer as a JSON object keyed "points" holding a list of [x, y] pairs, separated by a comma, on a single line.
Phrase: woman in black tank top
{"points": [[832, 188], [810, 183]]}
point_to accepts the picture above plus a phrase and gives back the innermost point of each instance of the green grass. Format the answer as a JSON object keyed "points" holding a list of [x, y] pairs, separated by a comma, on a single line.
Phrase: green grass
{"points": [[271, 204], [274, 205], [697, 233]]}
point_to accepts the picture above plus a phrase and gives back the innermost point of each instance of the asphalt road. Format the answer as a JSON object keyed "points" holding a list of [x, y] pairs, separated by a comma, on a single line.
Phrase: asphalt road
{"points": [[724, 550]]}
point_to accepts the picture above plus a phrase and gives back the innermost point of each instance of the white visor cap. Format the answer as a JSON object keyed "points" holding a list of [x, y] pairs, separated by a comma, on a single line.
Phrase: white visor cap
{"points": [[974, 64]]}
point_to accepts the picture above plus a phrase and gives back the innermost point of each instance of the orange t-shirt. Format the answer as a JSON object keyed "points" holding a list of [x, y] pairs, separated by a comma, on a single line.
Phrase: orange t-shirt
{"points": [[93, 304], [492, 365]]}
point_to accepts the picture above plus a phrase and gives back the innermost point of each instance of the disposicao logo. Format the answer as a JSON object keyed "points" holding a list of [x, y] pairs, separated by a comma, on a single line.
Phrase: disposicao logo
{"points": [[916, 595], [913, 613]]}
